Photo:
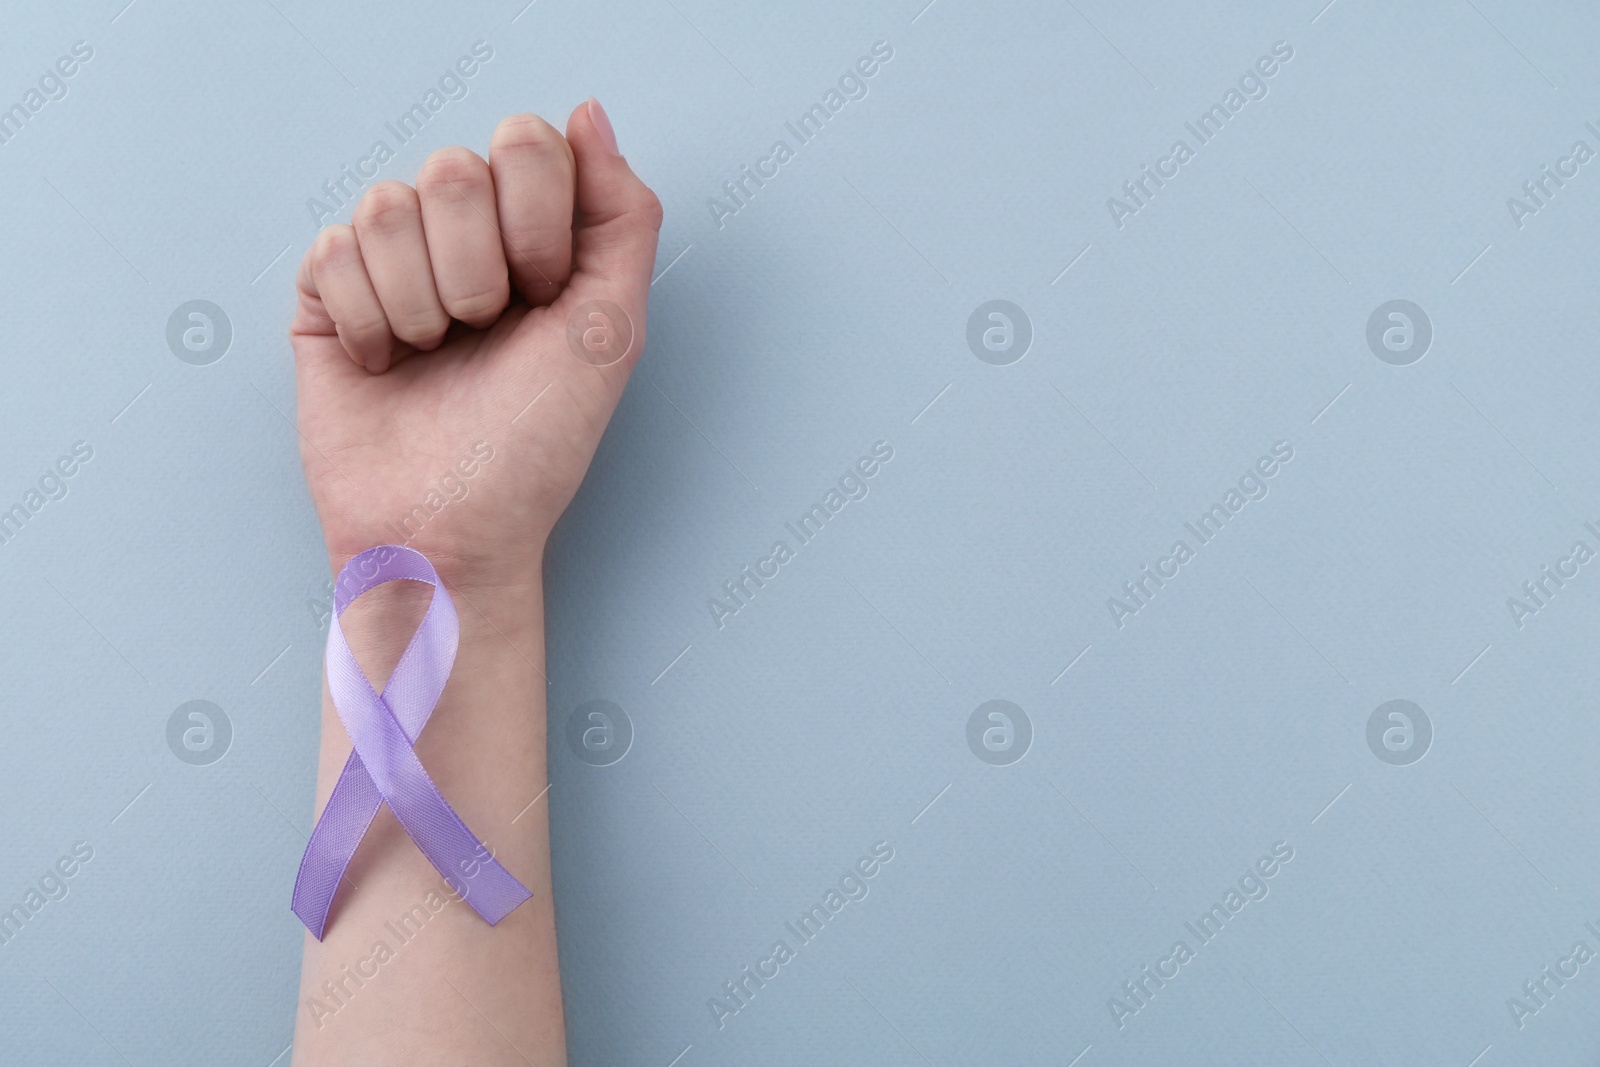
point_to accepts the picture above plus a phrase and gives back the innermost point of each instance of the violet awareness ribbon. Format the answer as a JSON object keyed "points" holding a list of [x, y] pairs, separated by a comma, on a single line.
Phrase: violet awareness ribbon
{"points": [[384, 769]]}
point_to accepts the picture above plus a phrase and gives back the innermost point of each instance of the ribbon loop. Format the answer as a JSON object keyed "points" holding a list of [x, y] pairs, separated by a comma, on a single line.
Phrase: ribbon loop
{"points": [[384, 768]]}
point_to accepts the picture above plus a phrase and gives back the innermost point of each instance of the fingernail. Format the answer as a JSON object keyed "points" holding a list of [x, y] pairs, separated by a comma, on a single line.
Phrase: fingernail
{"points": [[597, 115]]}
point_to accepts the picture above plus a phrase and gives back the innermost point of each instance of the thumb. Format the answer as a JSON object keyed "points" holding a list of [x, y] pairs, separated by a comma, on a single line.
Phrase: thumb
{"points": [[617, 222]]}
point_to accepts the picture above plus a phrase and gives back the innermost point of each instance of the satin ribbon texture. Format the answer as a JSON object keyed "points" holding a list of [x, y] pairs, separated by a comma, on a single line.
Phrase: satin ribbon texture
{"points": [[384, 768]]}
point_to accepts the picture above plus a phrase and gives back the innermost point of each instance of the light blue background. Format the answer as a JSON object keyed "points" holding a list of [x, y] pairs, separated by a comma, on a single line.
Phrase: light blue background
{"points": [[827, 714]]}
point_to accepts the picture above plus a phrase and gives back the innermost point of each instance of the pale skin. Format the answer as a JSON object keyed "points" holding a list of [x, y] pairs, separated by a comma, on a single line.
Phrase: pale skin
{"points": [[424, 329]]}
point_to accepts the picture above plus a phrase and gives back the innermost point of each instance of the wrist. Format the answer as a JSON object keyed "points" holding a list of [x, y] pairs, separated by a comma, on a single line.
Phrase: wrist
{"points": [[498, 593], [491, 571]]}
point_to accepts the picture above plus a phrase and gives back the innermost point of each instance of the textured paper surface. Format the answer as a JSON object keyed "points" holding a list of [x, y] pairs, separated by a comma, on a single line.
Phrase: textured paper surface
{"points": [[765, 751]]}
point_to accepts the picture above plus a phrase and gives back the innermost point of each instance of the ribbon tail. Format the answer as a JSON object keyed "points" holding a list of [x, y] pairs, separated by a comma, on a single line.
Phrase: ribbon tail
{"points": [[464, 862], [350, 810]]}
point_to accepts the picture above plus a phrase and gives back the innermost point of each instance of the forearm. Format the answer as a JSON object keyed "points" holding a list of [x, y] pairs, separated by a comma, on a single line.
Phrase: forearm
{"points": [[407, 973]]}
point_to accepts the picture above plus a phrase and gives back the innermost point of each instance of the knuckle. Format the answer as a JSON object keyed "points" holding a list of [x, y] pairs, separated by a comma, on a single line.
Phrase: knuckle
{"points": [[529, 133], [364, 327], [386, 206], [650, 209], [545, 245], [452, 169], [640, 210], [334, 246], [480, 306], [423, 330]]}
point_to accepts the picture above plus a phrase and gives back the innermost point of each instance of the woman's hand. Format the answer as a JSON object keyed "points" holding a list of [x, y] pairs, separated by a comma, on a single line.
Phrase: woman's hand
{"points": [[441, 402]]}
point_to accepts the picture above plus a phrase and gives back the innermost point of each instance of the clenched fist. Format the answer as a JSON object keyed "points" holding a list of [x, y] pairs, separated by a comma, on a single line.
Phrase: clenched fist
{"points": [[428, 326]]}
